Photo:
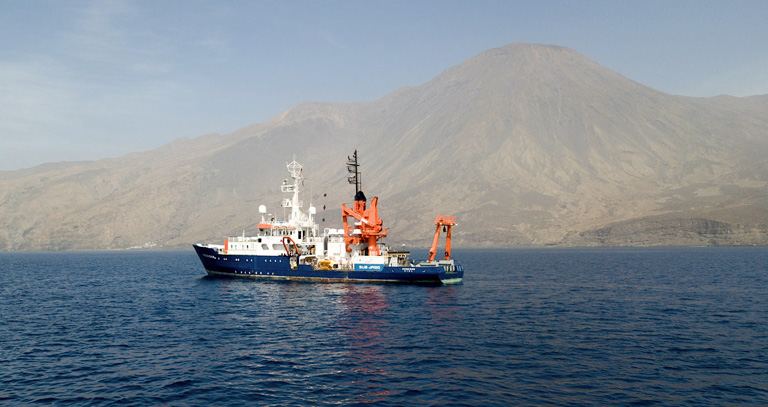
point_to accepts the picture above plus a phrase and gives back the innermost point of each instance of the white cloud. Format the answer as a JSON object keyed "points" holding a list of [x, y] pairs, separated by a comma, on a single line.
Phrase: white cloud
{"points": [[97, 34], [330, 39], [95, 83], [33, 96]]}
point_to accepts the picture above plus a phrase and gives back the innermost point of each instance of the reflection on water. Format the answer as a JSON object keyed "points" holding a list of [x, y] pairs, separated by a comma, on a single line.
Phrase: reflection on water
{"points": [[363, 324], [534, 327]]}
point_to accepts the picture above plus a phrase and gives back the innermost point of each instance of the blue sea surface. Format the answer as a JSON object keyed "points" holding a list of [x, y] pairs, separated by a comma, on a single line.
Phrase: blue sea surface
{"points": [[661, 326]]}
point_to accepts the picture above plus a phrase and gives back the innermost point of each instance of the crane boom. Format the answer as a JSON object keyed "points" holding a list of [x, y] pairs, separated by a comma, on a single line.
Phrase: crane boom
{"points": [[446, 222]]}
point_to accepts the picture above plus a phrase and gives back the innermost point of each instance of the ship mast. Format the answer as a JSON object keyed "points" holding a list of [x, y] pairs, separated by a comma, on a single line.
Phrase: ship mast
{"points": [[294, 168], [354, 172]]}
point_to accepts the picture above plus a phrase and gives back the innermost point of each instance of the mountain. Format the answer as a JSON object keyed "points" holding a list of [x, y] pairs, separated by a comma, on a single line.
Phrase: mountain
{"points": [[525, 144]]}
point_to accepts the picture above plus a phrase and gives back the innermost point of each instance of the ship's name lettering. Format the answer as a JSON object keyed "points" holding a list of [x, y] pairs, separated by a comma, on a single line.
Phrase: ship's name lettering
{"points": [[370, 267]]}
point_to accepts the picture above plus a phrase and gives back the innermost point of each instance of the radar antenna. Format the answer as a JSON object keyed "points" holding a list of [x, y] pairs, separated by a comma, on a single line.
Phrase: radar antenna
{"points": [[294, 168]]}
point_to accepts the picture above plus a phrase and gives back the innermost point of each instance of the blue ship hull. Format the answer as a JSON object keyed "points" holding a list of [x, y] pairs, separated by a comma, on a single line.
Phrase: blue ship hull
{"points": [[279, 268]]}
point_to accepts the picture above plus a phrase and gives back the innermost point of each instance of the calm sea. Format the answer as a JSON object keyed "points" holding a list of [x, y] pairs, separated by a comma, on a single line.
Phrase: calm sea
{"points": [[667, 326]]}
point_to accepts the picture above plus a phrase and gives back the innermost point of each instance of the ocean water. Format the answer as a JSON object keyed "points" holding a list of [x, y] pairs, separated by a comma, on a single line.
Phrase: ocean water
{"points": [[662, 326]]}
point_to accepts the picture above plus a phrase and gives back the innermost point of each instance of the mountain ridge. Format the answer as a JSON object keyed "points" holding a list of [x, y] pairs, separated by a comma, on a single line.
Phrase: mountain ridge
{"points": [[525, 144]]}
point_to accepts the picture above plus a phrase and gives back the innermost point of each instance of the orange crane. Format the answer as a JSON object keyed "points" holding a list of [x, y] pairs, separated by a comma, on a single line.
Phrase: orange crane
{"points": [[446, 222], [370, 229]]}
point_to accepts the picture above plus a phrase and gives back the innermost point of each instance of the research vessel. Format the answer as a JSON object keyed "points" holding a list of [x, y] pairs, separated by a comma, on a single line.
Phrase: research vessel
{"points": [[294, 248]]}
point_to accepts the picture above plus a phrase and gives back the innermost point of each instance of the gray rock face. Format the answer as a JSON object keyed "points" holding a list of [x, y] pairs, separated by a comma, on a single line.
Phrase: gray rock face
{"points": [[525, 144]]}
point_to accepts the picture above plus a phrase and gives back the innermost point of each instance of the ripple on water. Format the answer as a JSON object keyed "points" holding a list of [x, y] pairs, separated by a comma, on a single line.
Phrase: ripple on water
{"points": [[552, 327]]}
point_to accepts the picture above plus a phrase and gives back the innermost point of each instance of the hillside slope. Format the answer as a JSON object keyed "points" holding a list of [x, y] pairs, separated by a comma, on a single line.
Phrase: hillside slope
{"points": [[525, 144]]}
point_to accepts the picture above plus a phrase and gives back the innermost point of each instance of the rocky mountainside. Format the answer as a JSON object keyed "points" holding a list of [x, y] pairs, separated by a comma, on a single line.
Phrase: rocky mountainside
{"points": [[525, 144]]}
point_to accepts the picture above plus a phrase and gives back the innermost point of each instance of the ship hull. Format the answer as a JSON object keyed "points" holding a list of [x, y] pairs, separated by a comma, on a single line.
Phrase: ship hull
{"points": [[279, 268]]}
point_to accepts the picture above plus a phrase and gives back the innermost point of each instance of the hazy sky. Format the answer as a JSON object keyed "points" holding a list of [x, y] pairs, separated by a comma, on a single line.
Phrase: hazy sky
{"points": [[83, 80]]}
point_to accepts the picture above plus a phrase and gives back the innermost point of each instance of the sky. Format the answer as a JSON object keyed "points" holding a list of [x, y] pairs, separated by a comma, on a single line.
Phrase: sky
{"points": [[85, 80]]}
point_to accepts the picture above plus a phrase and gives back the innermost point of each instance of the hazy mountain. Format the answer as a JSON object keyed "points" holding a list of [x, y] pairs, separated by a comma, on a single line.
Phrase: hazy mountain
{"points": [[525, 144]]}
